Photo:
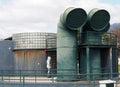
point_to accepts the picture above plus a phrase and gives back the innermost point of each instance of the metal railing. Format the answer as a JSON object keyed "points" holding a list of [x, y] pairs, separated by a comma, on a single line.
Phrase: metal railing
{"points": [[23, 78], [93, 38]]}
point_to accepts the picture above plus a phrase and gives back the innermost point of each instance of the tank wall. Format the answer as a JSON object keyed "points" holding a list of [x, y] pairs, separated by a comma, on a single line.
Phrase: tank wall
{"points": [[30, 60], [34, 40], [30, 51]]}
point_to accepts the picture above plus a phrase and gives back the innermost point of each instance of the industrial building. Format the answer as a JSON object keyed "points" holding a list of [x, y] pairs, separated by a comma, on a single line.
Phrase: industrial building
{"points": [[28, 52], [91, 56]]}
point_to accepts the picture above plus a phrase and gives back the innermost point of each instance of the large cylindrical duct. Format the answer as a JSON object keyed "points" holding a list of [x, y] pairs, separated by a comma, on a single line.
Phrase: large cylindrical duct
{"points": [[70, 21], [97, 24], [98, 19]]}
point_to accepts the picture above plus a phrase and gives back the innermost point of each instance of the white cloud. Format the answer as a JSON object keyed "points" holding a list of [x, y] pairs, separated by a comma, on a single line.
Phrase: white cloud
{"points": [[43, 15]]}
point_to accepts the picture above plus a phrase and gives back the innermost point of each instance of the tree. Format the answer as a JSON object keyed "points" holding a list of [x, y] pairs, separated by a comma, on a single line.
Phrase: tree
{"points": [[116, 31]]}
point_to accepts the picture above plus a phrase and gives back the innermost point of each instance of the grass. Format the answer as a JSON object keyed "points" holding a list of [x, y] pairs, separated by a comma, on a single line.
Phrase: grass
{"points": [[119, 67]]}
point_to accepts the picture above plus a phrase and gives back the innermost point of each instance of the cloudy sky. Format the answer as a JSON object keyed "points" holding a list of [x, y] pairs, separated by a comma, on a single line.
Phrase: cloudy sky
{"points": [[43, 15]]}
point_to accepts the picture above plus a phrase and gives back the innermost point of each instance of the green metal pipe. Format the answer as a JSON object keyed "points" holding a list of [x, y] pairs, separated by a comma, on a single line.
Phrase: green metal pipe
{"points": [[88, 62], [70, 21], [95, 63], [97, 24], [98, 19]]}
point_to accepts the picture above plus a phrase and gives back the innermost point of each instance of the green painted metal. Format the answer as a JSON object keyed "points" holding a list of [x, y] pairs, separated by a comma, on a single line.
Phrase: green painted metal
{"points": [[91, 38], [92, 26], [22, 80], [97, 24], [95, 62], [70, 21], [73, 18], [98, 19], [114, 61], [110, 85], [83, 63], [88, 62]]}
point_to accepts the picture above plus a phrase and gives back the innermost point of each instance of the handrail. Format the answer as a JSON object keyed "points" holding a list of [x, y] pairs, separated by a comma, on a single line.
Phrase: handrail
{"points": [[22, 79], [36, 73]]}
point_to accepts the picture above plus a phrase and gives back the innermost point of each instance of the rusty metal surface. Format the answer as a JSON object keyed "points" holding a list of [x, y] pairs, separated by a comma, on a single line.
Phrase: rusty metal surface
{"points": [[30, 60]]}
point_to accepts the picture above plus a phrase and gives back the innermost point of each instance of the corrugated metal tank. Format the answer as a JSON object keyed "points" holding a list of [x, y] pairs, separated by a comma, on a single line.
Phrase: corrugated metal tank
{"points": [[34, 40], [30, 51]]}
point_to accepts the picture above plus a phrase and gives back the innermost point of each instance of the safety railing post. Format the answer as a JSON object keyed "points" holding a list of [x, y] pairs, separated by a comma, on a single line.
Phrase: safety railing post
{"points": [[20, 75], [35, 76], [2, 75], [23, 83]]}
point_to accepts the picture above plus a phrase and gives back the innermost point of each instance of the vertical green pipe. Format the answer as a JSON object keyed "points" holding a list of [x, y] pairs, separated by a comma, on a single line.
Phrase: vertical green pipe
{"points": [[95, 63], [83, 63], [71, 20], [67, 55], [88, 62], [114, 61]]}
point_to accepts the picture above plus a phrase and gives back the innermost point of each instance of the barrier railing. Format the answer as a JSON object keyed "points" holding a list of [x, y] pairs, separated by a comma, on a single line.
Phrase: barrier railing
{"points": [[93, 38], [25, 77]]}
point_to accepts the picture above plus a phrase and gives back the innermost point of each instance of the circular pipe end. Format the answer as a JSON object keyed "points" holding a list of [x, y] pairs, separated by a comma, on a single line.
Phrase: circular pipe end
{"points": [[74, 18], [98, 19]]}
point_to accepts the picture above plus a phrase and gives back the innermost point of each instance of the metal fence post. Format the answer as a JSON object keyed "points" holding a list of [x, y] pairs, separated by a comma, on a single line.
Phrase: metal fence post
{"points": [[23, 83]]}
